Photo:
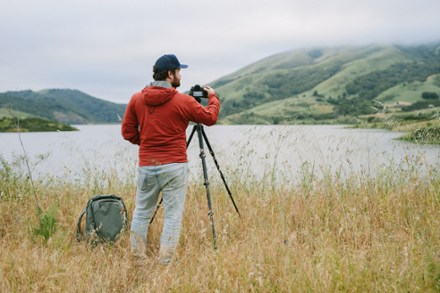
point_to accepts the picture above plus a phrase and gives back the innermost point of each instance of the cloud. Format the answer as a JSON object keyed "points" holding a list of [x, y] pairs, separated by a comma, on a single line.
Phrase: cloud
{"points": [[107, 49]]}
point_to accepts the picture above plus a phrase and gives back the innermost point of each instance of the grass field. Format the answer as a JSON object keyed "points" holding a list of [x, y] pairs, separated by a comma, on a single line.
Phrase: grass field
{"points": [[357, 234]]}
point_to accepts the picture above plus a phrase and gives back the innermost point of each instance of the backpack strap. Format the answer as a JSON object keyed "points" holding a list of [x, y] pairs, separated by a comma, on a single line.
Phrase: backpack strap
{"points": [[79, 234]]}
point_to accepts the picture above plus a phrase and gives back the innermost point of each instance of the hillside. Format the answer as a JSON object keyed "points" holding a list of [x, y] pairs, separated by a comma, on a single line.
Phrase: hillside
{"points": [[319, 85], [32, 124], [330, 85], [62, 105]]}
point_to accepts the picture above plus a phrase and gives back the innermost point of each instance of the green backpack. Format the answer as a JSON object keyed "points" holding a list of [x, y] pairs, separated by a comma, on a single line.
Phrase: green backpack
{"points": [[106, 218]]}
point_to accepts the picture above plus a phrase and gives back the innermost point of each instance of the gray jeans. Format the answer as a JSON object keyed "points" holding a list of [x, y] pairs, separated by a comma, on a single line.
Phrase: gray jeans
{"points": [[171, 180]]}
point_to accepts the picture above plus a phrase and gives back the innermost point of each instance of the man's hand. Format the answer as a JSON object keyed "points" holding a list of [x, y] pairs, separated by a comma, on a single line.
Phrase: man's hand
{"points": [[209, 90]]}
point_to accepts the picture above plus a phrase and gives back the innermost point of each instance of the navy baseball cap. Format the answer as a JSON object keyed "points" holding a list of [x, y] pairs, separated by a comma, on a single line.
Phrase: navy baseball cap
{"points": [[167, 62]]}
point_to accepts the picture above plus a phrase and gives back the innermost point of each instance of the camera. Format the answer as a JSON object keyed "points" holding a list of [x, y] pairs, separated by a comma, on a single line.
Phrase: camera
{"points": [[198, 92]]}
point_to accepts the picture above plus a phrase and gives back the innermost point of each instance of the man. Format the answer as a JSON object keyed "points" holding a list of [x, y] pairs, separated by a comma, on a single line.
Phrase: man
{"points": [[156, 119]]}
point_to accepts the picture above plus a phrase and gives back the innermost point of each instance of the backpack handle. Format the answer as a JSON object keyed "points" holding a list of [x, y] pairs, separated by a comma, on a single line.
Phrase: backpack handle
{"points": [[79, 234]]}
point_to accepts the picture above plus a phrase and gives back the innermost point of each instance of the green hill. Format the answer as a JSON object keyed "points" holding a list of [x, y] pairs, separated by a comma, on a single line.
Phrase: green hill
{"points": [[62, 105], [325, 85], [318, 85]]}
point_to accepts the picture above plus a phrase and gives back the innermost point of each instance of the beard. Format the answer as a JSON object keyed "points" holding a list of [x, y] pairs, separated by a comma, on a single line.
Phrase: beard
{"points": [[176, 82]]}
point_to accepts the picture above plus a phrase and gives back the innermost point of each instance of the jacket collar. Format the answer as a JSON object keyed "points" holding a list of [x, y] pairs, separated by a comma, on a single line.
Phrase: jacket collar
{"points": [[161, 83]]}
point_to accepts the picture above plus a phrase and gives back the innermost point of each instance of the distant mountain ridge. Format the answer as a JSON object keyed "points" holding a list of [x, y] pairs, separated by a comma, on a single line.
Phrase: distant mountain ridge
{"points": [[63, 105], [303, 86], [328, 84]]}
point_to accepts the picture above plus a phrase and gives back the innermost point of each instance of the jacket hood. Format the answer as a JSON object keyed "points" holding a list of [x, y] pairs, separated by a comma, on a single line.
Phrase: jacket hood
{"points": [[157, 95]]}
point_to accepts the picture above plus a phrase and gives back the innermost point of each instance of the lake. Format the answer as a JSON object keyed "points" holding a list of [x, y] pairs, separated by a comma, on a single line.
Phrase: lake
{"points": [[271, 153]]}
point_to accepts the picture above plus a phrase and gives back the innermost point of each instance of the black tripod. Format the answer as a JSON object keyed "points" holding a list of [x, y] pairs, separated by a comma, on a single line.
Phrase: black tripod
{"points": [[202, 137]]}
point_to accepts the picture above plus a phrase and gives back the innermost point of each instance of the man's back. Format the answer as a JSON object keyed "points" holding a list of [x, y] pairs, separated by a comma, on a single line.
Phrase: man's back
{"points": [[157, 117]]}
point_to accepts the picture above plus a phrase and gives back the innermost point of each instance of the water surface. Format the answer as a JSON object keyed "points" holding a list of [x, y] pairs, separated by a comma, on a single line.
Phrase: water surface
{"points": [[284, 153]]}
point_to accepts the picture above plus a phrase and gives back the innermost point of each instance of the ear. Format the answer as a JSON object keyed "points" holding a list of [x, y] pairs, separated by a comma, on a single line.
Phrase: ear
{"points": [[170, 74]]}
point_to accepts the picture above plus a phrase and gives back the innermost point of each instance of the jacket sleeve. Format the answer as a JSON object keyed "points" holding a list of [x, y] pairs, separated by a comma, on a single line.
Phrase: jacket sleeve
{"points": [[130, 125], [206, 115]]}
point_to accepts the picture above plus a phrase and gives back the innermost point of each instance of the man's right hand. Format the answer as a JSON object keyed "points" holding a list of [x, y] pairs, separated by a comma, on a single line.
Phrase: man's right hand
{"points": [[209, 90]]}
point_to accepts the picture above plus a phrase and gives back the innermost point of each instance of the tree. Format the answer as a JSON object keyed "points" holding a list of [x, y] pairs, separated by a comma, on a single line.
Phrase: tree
{"points": [[429, 96]]}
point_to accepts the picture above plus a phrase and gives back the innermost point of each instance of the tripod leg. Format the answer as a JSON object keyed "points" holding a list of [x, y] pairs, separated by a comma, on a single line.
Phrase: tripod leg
{"points": [[157, 208], [211, 151], [191, 136], [206, 183]]}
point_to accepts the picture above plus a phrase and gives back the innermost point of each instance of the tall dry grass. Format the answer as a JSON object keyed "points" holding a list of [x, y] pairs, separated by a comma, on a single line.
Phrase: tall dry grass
{"points": [[354, 234]]}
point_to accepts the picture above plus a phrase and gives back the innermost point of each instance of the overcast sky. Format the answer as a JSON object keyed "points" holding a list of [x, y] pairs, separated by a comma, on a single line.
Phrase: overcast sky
{"points": [[107, 48]]}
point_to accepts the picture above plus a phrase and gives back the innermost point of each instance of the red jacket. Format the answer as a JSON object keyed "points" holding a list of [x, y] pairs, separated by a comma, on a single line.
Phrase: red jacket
{"points": [[156, 119]]}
